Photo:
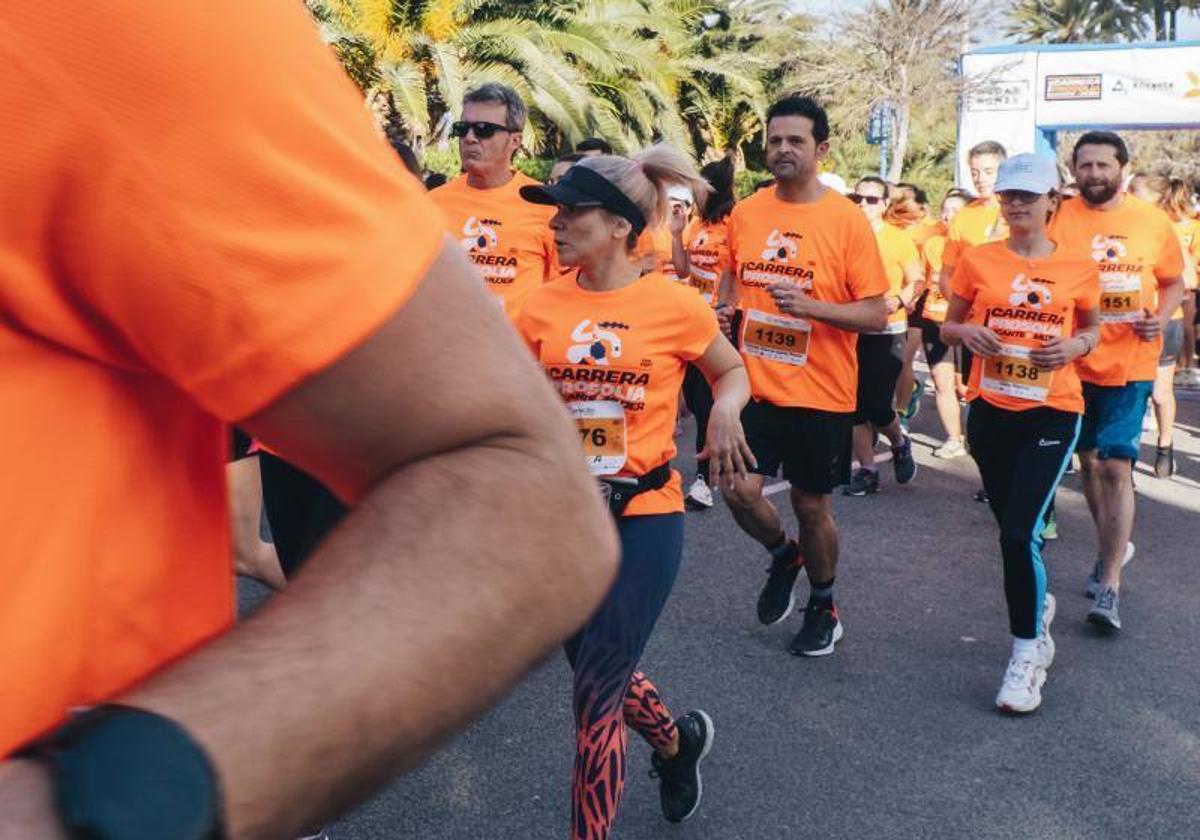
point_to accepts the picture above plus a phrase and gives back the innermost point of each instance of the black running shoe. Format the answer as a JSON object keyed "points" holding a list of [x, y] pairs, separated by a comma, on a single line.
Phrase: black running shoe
{"points": [[778, 596], [821, 631], [679, 785], [903, 462], [862, 483], [1164, 461]]}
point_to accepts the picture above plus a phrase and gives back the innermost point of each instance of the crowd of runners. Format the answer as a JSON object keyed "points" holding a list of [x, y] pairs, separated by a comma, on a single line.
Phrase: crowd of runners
{"points": [[788, 324], [1049, 315]]}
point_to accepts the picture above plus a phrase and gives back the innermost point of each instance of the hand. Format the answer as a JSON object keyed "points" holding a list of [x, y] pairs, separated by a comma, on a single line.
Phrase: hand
{"points": [[1149, 328], [1057, 352], [26, 798], [725, 319], [728, 454], [791, 299], [980, 340], [893, 303], [678, 220]]}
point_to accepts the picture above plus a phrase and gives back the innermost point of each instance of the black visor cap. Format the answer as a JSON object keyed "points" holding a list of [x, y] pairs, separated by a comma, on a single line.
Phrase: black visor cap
{"points": [[582, 186]]}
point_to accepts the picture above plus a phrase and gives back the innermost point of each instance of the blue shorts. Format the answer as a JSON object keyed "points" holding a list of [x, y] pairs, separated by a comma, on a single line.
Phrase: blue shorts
{"points": [[1112, 419]]}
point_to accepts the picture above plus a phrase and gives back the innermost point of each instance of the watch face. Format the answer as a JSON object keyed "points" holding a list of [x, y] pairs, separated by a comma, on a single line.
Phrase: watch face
{"points": [[129, 774]]}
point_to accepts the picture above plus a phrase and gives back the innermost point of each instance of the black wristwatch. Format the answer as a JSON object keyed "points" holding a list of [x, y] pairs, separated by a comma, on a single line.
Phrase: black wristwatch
{"points": [[121, 773]]}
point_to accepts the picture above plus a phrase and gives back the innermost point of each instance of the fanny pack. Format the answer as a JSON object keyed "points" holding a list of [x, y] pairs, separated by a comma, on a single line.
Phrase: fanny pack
{"points": [[619, 492]]}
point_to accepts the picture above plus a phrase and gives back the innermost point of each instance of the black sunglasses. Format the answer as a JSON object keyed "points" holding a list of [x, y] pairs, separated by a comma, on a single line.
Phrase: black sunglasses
{"points": [[859, 199], [483, 130]]}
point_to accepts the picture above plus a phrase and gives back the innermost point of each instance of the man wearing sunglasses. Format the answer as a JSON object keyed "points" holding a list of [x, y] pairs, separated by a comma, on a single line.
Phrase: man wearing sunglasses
{"points": [[508, 239]]}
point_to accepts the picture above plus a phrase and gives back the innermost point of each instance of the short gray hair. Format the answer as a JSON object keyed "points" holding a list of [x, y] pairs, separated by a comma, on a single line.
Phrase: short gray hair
{"points": [[499, 94]]}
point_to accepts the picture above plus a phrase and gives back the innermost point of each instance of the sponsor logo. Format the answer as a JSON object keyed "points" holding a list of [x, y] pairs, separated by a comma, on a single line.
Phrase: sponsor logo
{"points": [[1033, 293], [781, 247], [1073, 87], [594, 345], [479, 235], [1107, 249], [1044, 442]]}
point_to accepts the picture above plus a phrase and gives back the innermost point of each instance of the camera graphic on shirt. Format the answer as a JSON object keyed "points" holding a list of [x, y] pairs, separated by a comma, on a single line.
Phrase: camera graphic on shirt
{"points": [[593, 346], [700, 239], [1107, 249], [478, 236], [1028, 292], [780, 247]]}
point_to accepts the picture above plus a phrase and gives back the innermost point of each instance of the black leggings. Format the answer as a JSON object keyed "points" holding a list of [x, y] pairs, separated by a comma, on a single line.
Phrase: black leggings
{"points": [[1022, 456], [698, 396], [300, 510]]}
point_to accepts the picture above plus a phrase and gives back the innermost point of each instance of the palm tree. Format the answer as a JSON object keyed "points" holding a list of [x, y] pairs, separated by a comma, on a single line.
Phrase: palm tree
{"points": [[1077, 21]]}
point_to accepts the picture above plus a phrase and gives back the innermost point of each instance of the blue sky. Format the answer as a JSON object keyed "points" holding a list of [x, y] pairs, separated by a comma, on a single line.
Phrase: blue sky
{"points": [[1189, 25]]}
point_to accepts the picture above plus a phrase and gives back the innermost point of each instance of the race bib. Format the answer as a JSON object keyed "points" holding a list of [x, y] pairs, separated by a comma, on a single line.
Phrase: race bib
{"points": [[601, 427], [935, 310], [1012, 374], [776, 337], [705, 282], [1120, 298]]}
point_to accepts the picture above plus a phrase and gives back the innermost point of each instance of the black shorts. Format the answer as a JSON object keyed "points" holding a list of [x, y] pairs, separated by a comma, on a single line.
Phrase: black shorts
{"points": [[880, 359], [812, 446], [931, 339]]}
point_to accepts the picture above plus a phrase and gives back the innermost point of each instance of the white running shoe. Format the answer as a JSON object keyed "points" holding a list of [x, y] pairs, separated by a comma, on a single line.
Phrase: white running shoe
{"points": [[1021, 690], [1093, 580], [952, 448], [699, 495]]}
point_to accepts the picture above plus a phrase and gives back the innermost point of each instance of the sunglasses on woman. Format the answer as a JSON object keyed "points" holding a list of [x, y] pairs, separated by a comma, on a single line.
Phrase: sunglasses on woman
{"points": [[859, 199], [483, 130]]}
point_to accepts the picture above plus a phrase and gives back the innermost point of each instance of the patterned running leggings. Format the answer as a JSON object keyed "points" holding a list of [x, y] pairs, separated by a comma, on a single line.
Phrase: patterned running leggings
{"points": [[610, 692]]}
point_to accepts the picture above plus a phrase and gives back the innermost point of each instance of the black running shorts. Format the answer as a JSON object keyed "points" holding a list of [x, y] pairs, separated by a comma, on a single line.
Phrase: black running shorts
{"points": [[880, 359], [931, 339], [812, 446]]}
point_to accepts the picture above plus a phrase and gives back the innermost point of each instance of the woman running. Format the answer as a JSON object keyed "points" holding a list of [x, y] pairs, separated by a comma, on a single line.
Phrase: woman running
{"points": [[1026, 312], [616, 342], [701, 255]]}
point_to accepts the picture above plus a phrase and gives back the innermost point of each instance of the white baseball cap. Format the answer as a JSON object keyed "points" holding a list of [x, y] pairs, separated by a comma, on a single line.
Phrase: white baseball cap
{"points": [[678, 192], [1030, 173]]}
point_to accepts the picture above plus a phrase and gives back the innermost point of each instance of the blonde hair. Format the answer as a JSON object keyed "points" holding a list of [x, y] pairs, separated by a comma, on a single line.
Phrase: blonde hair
{"points": [[646, 179], [1174, 196]]}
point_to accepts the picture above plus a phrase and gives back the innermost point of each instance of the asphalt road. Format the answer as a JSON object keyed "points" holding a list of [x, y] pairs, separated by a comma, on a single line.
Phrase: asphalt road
{"points": [[895, 735]]}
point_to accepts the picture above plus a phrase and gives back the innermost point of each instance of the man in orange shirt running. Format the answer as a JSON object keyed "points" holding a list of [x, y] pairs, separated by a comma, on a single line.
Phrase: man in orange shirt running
{"points": [[1141, 276], [160, 282], [808, 279], [508, 239], [980, 221]]}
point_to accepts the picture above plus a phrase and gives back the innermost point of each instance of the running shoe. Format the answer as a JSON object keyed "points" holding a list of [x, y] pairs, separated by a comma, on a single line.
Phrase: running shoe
{"points": [[699, 495], [1104, 612], [862, 483], [1093, 580], [1164, 461], [819, 633], [953, 448], [1021, 690], [778, 596], [914, 401], [679, 784], [1050, 528], [903, 462], [1187, 378]]}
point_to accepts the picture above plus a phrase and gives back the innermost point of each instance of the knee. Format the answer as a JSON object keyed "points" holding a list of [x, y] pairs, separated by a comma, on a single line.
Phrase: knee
{"points": [[745, 493], [1115, 471], [812, 510]]}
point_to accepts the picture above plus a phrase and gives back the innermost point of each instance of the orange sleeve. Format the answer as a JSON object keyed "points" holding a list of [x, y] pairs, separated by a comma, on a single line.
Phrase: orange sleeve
{"points": [[962, 282], [228, 223], [866, 276], [934, 248], [1170, 261], [731, 237], [906, 251], [699, 323]]}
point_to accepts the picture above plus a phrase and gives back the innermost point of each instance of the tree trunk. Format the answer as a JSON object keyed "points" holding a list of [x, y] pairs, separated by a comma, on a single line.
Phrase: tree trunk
{"points": [[900, 141], [1160, 20]]}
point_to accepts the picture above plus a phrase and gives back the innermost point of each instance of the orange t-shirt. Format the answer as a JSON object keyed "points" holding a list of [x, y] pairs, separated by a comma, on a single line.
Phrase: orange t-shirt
{"points": [[977, 223], [1188, 231], [708, 256], [922, 231], [898, 252], [1026, 303], [828, 248], [188, 233], [936, 306], [655, 247], [509, 239], [1136, 249], [617, 359]]}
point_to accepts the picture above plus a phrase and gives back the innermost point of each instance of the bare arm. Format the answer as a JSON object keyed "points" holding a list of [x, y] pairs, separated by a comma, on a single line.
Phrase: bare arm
{"points": [[978, 339], [679, 254], [1170, 295], [914, 284], [726, 446], [459, 455], [866, 315], [1058, 352]]}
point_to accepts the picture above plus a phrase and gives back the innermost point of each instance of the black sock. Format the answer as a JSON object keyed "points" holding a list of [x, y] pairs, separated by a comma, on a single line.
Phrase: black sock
{"points": [[783, 549], [821, 592]]}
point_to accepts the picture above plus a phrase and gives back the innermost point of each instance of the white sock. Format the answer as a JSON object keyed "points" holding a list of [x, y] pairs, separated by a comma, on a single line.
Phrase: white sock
{"points": [[1024, 648]]}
